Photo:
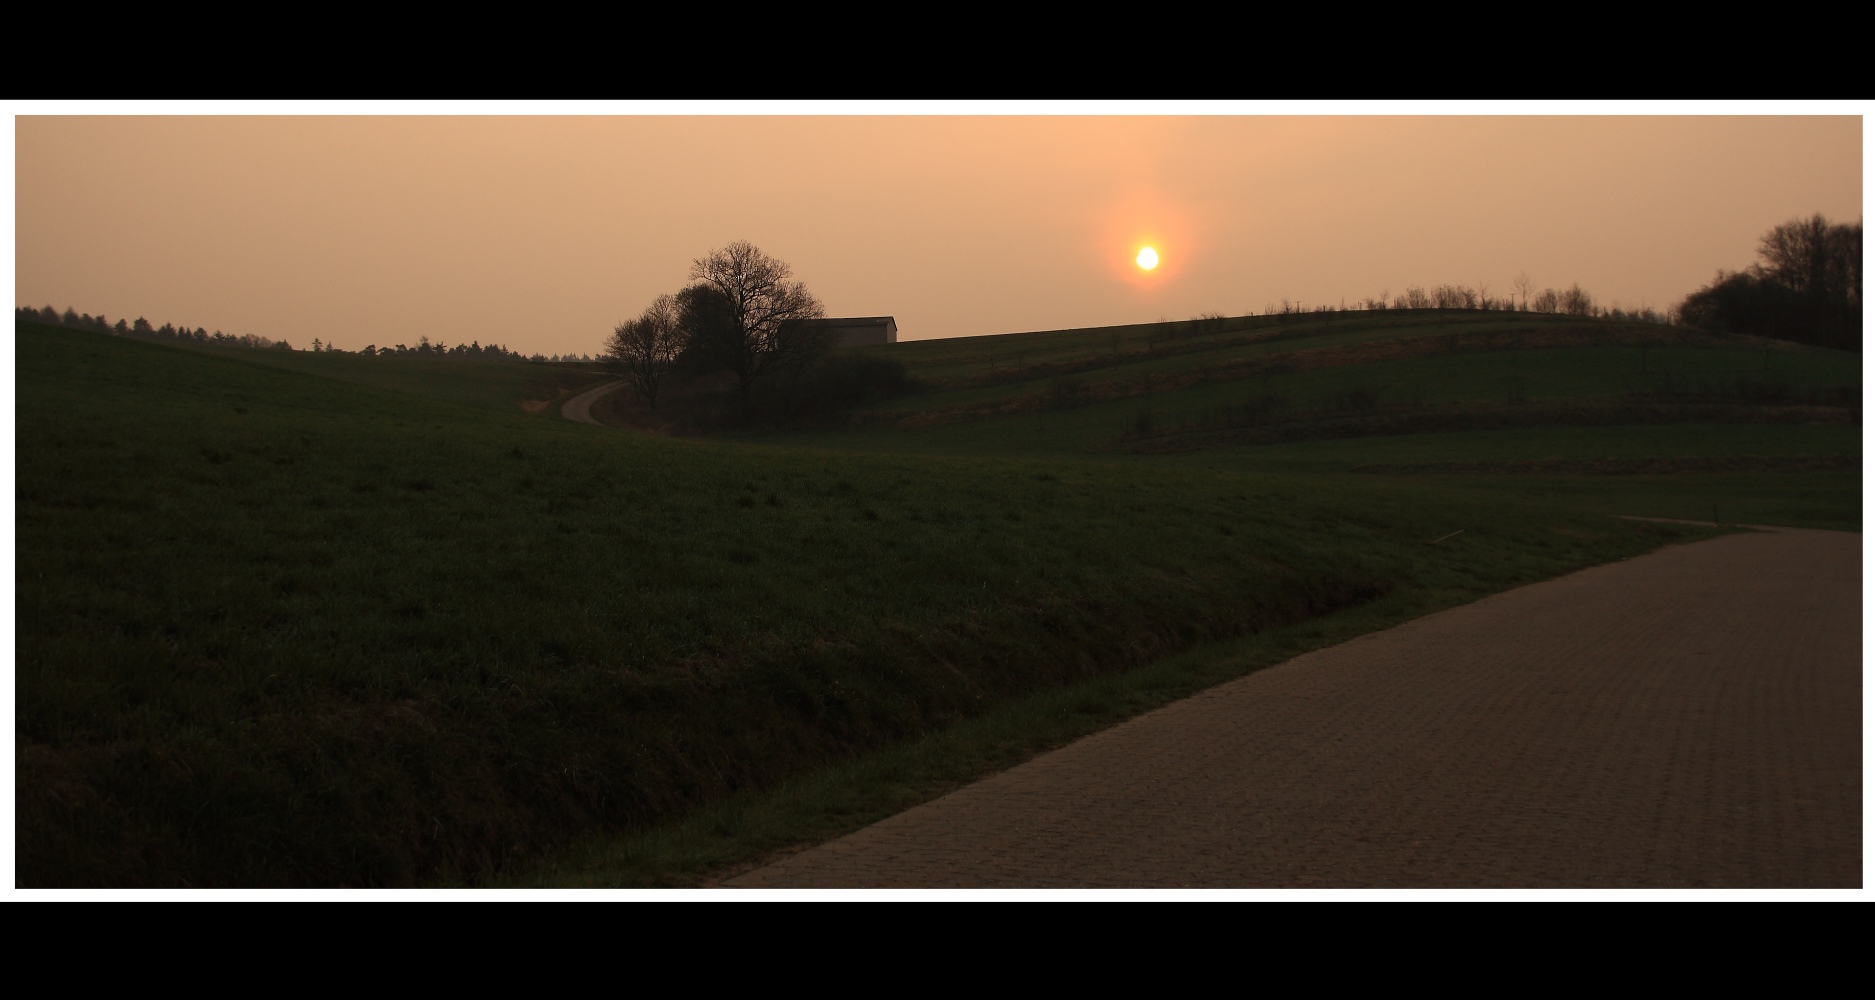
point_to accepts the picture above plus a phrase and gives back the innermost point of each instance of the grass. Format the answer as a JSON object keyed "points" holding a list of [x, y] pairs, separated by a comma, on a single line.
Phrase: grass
{"points": [[319, 620], [741, 831], [965, 361], [529, 387], [1663, 423], [1461, 388], [1618, 355]]}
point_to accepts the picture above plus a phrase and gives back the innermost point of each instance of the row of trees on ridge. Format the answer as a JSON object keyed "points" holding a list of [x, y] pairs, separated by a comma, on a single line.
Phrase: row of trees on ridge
{"points": [[1524, 296], [1806, 287], [142, 329]]}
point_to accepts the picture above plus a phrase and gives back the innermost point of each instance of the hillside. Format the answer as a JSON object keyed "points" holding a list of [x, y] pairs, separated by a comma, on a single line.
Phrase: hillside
{"points": [[503, 385], [278, 627], [1620, 417]]}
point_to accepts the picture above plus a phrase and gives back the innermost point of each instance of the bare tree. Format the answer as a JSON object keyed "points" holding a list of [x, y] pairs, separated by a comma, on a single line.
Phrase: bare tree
{"points": [[1576, 302], [1808, 256], [745, 314], [1454, 297], [1522, 285], [644, 349]]}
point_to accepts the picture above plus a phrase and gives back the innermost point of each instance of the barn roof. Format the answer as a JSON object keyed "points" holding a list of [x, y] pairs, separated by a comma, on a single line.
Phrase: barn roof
{"points": [[854, 321]]}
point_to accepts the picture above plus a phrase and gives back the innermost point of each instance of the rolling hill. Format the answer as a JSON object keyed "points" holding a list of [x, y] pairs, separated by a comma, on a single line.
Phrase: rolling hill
{"points": [[302, 621]]}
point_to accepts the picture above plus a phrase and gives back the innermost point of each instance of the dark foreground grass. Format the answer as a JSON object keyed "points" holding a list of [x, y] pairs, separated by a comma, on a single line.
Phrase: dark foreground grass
{"points": [[276, 629]]}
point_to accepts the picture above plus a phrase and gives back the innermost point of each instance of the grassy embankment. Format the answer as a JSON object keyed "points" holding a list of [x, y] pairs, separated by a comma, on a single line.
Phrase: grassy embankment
{"points": [[279, 628]]}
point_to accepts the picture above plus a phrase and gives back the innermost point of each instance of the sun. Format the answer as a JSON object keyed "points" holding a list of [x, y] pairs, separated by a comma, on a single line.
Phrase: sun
{"points": [[1148, 259]]}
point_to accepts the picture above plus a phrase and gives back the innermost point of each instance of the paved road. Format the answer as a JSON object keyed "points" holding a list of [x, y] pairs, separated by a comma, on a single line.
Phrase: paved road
{"points": [[1687, 718], [579, 408]]}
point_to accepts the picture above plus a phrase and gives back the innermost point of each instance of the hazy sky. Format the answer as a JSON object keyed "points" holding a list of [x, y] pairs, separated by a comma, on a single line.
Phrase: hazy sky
{"points": [[542, 232]]}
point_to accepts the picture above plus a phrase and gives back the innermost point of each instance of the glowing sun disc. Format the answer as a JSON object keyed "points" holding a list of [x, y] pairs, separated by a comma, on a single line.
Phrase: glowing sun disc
{"points": [[1148, 259]]}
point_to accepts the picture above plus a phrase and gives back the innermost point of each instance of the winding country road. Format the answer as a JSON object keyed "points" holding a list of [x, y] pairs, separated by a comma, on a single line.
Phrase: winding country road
{"points": [[579, 408], [1692, 717]]}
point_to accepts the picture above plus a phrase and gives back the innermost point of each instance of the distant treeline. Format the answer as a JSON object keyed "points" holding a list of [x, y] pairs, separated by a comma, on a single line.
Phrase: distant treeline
{"points": [[473, 349], [1806, 287], [1524, 297], [141, 328]]}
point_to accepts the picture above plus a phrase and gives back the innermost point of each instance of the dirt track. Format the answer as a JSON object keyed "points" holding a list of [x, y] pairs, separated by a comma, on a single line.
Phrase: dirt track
{"points": [[579, 408], [1687, 718]]}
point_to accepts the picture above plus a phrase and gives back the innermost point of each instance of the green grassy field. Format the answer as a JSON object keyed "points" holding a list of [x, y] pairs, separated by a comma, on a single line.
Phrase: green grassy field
{"points": [[326, 620], [1616, 418], [501, 385]]}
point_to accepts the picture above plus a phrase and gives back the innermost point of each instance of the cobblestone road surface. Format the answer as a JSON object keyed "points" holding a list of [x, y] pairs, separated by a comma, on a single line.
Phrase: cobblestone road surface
{"points": [[1687, 718]]}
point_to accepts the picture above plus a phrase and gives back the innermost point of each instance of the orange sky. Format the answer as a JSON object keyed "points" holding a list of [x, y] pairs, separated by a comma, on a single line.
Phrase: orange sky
{"points": [[542, 232]]}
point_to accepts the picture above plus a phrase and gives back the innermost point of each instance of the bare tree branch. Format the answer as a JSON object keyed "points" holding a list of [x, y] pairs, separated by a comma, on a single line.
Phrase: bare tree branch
{"points": [[644, 349], [743, 313]]}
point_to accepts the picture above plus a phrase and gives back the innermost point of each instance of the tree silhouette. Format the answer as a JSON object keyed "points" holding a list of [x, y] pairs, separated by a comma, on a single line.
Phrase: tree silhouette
{"points": [[743, 312], [1806, 287], [644, 349]]}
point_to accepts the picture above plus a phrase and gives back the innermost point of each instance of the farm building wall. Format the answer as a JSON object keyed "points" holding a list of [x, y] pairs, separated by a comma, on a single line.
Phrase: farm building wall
{"points": [[858, 330]]}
